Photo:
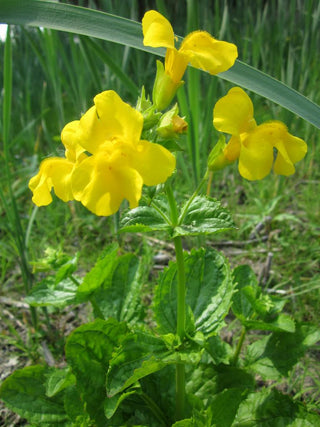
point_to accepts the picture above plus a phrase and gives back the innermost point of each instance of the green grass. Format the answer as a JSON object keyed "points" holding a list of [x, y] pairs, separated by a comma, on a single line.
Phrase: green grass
{"points": [[55, 76]]}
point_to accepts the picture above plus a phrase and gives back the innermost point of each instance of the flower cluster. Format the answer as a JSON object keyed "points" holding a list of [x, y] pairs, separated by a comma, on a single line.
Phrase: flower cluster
{"points": [[254, 145], [105, 160]]}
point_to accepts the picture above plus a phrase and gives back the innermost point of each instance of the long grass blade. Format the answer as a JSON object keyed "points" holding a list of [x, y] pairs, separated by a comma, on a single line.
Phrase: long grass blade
{"points": [[109, 27]]}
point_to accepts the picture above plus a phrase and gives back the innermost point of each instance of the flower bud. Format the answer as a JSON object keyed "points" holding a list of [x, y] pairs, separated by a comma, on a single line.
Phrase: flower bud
{"points": [[217, 159], [170, 124], [164, 88]]}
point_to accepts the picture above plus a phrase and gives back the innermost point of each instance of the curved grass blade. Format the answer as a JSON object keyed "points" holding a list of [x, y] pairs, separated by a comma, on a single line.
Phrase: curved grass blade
{"points": [[75, 19]]}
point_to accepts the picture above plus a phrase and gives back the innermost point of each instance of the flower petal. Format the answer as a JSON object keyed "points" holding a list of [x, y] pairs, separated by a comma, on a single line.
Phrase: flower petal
{"points": [[175, 64], [70, 139], [290, 148], [207, 53], [157, 30], [109, 119], [233, 113], [54, 173], [232, 149], [256, 155], [153, 162], [101, 187]]}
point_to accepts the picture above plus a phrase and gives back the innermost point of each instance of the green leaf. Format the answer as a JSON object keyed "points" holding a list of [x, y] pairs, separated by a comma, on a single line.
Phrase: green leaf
{"points": [[58, 380], [270, 408], [24, 392], [224, 406], [93, 23], [142, 354], [75, 407], [112, 403], [99, 273], [203, 215], [208, 380], [139, 355], [67, 269], [120, 295], [274, 356], [243, 276], [88, 351], [249, 303], [208, 292], [282, 323], [49, 293], [220, 351], [147, 218]]}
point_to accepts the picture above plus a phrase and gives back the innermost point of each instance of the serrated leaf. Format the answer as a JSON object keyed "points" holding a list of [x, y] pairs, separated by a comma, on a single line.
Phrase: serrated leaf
{"points": [[208, 380], [142, 354], [254, 309], [274, 356], [88, 351], [243, 276], [75, 407], [139, 355], [120, 295], [111, 404], [224, 406], [209, 291], [67, 269], [24, 392], [58, 380], [270, 408], [220, 351], [99, 273], [282, 323], [49, 293], [147, 218], [203, 216]]}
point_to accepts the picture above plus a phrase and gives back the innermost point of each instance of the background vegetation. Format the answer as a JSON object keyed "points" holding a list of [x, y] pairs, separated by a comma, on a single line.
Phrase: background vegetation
{"points": [[55, 78]]}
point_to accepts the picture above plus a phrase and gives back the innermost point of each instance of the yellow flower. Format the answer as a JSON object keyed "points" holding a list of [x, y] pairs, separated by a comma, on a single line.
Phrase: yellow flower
{"points": [[118, 164], [254, 145], [199, 49], [56, 172]]}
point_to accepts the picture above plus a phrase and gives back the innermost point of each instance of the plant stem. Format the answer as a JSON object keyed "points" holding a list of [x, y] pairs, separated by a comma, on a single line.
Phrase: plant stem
{"points": [[154, 408], [181, 305], [196, 192], [239, 346]]}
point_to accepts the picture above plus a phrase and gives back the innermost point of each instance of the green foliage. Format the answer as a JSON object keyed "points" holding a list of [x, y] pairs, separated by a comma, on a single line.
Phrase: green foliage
{"points": [[88, 351], [120, 294], [24, 392], [249, 303], [274, 355], [208, 294], [203, 216]]}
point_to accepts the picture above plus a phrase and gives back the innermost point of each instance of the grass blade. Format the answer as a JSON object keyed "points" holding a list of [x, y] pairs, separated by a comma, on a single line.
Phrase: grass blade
{"points": [[109, 27]]}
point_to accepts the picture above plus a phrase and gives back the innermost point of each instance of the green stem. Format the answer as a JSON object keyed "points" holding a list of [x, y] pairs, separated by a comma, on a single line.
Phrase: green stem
{"points": [[239, 346], [155, 409], [197, 190], [181, 305]]}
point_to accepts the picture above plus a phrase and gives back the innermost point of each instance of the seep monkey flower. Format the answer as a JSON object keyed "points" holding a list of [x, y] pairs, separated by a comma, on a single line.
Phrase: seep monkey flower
{"points": [[254, 145], [106, 162], [198, 48]]}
